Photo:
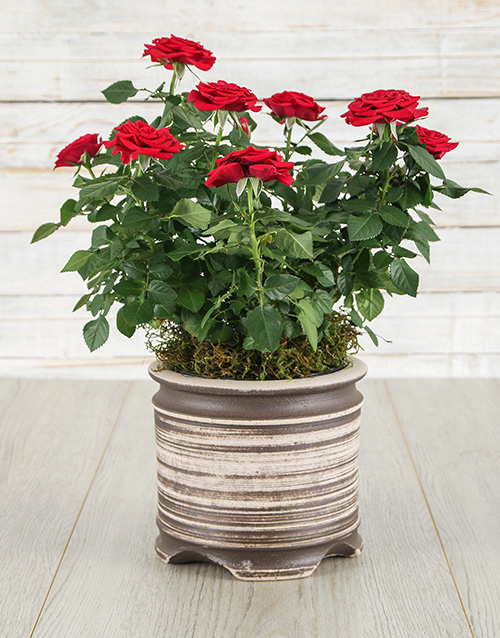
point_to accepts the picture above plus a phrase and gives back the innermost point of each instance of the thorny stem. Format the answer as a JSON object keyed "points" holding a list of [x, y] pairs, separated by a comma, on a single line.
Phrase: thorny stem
{"points": [[255, 245]]}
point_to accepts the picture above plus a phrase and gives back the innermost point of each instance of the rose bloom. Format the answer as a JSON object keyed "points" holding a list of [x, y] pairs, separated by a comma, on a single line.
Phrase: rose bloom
{"points": [[138, 138], [174, 49], [293, 104], [223, 96], [250, 162], [244, 124], [72, 154], [383, 106], [438, 144]]}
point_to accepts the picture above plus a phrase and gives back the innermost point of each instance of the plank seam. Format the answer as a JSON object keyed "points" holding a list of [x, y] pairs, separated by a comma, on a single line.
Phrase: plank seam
{"points": [[441, 543], [85, 498]]}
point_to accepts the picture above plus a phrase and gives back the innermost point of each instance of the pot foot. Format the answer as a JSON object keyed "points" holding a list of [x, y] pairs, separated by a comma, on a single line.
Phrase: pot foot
{"points": [[255, 564]]}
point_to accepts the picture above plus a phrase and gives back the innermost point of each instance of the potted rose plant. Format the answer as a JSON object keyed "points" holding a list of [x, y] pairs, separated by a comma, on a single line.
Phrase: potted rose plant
{"points": [[253, 270]]}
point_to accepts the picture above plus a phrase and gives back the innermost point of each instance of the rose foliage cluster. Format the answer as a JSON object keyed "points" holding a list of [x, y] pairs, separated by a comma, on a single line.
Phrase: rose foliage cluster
{"points": [[196, 224]]}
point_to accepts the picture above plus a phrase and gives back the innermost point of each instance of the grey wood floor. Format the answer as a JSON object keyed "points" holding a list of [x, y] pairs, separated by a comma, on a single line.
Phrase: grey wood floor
{"points": [[77, 508]]}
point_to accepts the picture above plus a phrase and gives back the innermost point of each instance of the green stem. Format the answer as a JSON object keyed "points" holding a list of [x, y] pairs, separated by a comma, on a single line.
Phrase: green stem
{"points": [[309, 131], [255, 245], [172, 82], [217, 144], [89, 168], [288, 143]]}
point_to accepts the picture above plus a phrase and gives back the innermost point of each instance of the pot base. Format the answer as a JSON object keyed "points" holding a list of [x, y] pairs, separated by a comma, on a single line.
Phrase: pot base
{"points": [[257, 565]]}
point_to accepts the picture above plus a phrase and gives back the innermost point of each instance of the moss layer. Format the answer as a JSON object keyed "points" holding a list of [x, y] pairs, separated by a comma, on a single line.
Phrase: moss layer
{"points": [[177, 350]]}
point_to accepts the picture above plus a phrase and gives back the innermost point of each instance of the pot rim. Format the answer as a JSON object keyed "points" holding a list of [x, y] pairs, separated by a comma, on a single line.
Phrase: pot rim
{"points": [[339, 378]]}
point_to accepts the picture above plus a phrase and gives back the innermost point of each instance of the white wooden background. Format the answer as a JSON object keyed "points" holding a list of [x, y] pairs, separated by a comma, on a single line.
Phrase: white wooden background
{"points": [[55, 57]]}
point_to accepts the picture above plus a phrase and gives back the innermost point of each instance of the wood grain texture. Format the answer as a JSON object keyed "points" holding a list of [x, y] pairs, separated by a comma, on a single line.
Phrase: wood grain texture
{"points": [[51, 439], [111, 584], [66, 53], [29, 16], [435, 49], [456, 449]]}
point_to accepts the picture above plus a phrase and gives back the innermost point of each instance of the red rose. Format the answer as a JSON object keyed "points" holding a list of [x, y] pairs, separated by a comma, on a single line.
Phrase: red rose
{"points": [[438, 144], [244, 125], [138, 138], [72, 154], [174, 49], [250, 162], [223, 96], [293, 104], [383, 106]]}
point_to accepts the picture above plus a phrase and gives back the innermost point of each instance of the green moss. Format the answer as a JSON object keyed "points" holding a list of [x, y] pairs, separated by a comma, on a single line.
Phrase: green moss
{"points": [[175, 349]]}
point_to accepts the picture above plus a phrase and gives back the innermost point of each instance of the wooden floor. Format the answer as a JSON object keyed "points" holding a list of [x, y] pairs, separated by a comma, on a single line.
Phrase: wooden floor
{"points": [[77, 496]]}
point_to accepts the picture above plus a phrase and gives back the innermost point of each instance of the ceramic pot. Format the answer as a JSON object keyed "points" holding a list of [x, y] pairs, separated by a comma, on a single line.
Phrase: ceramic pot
{"points": [[260, 477]]}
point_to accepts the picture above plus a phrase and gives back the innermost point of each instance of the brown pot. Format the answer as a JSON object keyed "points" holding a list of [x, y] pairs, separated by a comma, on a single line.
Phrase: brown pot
{"points": [[260, 477]]}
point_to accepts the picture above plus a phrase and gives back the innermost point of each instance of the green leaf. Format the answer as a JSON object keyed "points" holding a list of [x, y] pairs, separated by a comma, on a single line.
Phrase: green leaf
{"points": [[411, 197], [96, 333], [107, 211], [322, 303], [145, 189], [183, 249], [238, 138], [384, 156], [356, 319], [138, 219], [323, 274], [423, 249], [191, 298], [295, 244], [83, 301], [101, 236], [324, 144], [372, 335], [160, 271], [356, 205], [394, 215], [370, 303], [135, 269], [381, 260], [98, 191], [120, 91], [44, 231], [184, 119], [344, 283], [320, 172], [77, 260], [161, 293], [369, 279], [454, 190], [68, 211], [191, 214], [278, 287], [360, 228], [422, 230], [246, 285], [127, 288], [123, 326], [425, 160], [404, 277], [309, 320], [137, 312], [332, 190], [264, 328]]}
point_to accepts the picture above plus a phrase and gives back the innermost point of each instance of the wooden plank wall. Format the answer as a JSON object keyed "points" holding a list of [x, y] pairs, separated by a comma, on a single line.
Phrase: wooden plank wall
{"points": [[55, 57]]}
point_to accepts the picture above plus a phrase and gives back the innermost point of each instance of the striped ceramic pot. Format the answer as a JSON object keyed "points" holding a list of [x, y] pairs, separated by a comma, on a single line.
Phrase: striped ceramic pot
{"points": [[260, 477]]}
